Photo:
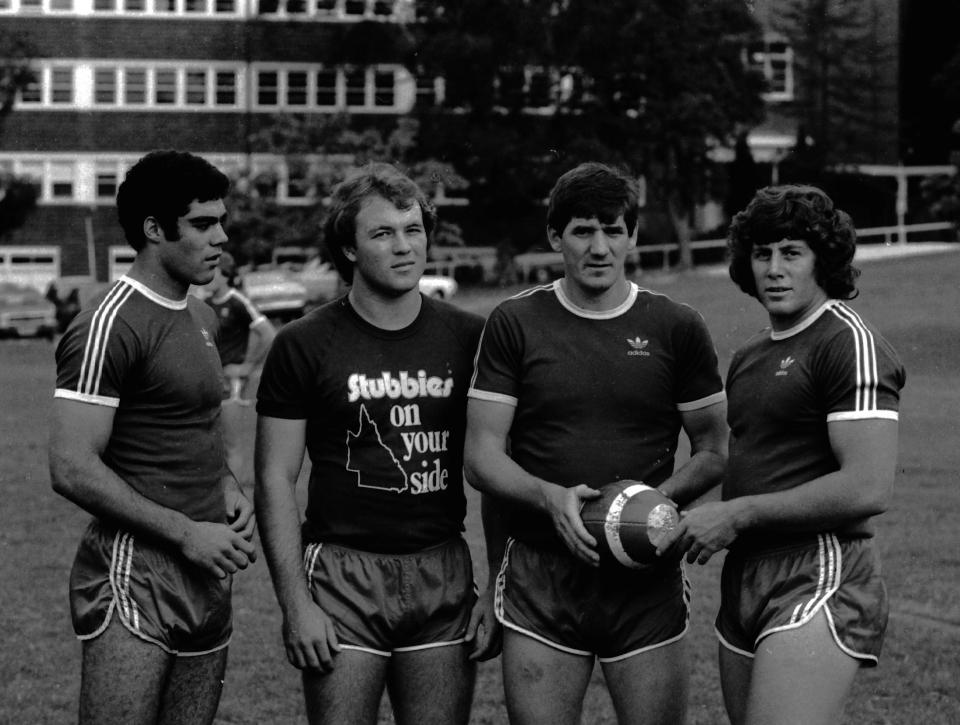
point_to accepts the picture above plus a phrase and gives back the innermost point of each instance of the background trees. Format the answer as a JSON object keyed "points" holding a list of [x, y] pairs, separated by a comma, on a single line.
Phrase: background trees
{"points": [[18, 197], [532, 88]]}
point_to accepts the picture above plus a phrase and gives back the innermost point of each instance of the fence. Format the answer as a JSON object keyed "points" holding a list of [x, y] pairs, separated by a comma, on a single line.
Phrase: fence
{"points": [[541, 266]]}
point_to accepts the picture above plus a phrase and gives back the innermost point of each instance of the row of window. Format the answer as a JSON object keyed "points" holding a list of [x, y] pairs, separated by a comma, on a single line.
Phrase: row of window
{"points": [[335, 10], [93, 178], [112, 85]]}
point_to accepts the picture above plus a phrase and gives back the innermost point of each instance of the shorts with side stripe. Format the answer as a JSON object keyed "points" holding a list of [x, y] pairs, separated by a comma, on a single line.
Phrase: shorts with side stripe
{"points": [[610, 612], [386, 603], [158, 595], [782, 589]]}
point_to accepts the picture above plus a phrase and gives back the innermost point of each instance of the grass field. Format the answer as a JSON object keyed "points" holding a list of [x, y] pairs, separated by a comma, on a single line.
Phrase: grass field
{"points": [[915, 301]]}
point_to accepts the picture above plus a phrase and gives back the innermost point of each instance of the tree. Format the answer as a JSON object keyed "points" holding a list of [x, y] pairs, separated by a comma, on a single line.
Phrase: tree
{"points": [[843, 73], [540, 85], [318, 152], [18, 197]]}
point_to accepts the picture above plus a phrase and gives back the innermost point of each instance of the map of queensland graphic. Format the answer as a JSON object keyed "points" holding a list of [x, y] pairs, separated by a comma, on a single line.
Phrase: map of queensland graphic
{"points": [[372, 460]]}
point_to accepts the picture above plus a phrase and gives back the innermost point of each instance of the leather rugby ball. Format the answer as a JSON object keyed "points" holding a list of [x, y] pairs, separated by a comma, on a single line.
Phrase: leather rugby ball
{"points": [[627, 521]]}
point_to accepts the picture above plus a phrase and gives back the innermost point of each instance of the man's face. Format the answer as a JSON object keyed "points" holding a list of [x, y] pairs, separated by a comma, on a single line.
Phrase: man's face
{"points": [[784, 273], [391, 247], [594, 253], [193, 258]]}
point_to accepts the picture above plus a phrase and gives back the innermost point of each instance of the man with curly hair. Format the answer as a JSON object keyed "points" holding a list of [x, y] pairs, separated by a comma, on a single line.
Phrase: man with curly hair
{"points": [[813, 413]]}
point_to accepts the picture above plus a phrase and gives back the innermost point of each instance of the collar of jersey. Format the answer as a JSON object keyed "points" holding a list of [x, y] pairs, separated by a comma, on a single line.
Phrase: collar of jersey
{"points": [[803, 324], [153, 296], [596, 314]]}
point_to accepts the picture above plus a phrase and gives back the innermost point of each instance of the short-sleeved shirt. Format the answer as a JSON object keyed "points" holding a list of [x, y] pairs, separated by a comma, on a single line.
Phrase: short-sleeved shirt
{"points": [[385, 414], [236, 315], [785, 387], [598, 396], [155, 361]]}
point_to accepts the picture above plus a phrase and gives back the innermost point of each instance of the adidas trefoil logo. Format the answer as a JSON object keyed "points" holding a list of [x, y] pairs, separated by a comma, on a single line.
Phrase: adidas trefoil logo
{"points": [[638, 347], [784, 364]]}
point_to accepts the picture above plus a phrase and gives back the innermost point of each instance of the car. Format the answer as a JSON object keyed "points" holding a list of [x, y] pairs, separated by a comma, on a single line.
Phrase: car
{"points": [[25, 312], [323, 283], [274, 293], [439, 286]]}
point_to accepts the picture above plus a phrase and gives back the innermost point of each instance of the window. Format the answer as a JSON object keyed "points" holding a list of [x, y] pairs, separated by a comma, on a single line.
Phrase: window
{"points": [[326, 87], [134, 6], [165, 92], [32, 171], [428, 90], [354, 7], [267, 88], [297, 88], [325, 7], [165, 6], [135, 86], [539, 88], [61, 5], [226, 93], [773, 59], [195, 6], [61, 86], [196, 87], [105, 86], [33, 91], [29, 5], [510, 86], [225, 6], [61, 181], [106, 180], [383, 8], [384, 88], [356, 82], [105, 6]]}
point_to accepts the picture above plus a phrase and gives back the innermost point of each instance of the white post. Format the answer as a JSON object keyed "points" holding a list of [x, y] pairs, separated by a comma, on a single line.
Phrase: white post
{"points": [[901, 205]]}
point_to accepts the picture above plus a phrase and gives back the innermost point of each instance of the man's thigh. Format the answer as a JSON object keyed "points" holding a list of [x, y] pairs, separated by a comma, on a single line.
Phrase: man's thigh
{"points": [[193, 689], [543, 685], [650, 688], [735, 670], [800, 675], [122, 678], [432, 686], [349, 693]]}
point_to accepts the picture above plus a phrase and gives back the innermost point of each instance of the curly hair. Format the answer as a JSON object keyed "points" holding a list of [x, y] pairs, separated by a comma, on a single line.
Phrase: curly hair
{"points": [[375, 179], [163, 184], [794, 211]]}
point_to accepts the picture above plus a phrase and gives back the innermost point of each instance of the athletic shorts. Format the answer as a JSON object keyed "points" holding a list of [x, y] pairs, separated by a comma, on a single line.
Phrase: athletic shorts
{"points": [[610, 612], [158, 595], [783, 589], [386, 603]]}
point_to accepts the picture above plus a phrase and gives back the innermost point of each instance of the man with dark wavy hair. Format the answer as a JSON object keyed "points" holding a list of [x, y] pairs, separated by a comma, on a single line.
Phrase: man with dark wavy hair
{"points": [[813, 413], [136, 441]]}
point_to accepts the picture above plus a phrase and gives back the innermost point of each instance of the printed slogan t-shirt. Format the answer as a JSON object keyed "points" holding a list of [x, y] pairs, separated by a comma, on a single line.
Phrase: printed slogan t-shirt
{"points": [[598, 396], [386, 415], [155, 360], [785, 387]]}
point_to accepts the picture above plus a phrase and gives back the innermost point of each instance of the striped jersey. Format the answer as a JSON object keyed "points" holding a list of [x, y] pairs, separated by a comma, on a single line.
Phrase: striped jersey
{"points": [[784, 387], [155, 361], [597, 396], [236, 315]]}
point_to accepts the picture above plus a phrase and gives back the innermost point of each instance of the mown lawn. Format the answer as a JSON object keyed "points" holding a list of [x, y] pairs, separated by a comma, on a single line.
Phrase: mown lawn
{"points": [[915, 301]]}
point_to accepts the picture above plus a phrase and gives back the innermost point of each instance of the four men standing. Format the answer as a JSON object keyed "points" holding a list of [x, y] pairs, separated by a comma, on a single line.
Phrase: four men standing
{"points": [[575, 384]]}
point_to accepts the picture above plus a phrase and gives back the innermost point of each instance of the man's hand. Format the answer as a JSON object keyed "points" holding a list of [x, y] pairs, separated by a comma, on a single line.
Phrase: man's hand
{"points": [[703, 531], [563, 506], [240, 513], [484, 631], [217, 548], [310, 639]]}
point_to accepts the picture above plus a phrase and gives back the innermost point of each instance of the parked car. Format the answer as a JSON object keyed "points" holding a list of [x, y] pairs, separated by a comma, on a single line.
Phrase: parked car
{"points": [[25, 312], [274, 293], [439, 286]]}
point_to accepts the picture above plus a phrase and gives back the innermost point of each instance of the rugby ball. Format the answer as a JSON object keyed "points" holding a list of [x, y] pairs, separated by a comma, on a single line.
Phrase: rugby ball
{"points": [[628, 521]]}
